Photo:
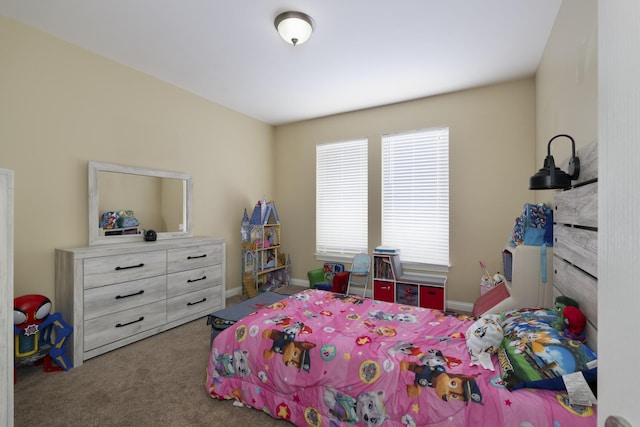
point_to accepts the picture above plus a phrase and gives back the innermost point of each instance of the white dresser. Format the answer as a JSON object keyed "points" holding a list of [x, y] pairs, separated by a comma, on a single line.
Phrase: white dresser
{"points": [[115, 294]]}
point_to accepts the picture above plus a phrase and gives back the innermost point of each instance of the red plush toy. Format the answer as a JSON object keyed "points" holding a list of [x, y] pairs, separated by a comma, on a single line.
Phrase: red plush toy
{"points": [[574, 323]]}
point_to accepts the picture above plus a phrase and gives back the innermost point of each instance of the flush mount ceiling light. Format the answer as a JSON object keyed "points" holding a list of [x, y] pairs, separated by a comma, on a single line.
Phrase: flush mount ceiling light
{"points": [[294, 27], [550, 177]]}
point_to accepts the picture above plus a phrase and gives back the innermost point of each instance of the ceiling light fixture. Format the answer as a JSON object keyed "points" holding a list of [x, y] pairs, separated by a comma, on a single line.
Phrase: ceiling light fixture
{"points": [[550, 177], [294, 27]]}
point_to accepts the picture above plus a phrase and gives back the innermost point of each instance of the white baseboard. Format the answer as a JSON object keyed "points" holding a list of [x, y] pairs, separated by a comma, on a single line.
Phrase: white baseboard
{"points": [[233, 292], [460, 306], [238, 289], [299, 282]]}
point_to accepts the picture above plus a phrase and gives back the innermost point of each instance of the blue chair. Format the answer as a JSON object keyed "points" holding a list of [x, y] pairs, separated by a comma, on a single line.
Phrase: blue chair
{"points": [[359, 274]]}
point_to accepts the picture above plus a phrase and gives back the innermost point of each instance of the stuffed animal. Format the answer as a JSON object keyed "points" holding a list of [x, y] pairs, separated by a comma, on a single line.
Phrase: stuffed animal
{"points": [[560, 304], [484, 337], [574, 323]]}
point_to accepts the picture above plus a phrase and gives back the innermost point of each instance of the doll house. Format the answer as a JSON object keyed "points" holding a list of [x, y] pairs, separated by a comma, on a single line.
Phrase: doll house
{"points": [[264, 266]]}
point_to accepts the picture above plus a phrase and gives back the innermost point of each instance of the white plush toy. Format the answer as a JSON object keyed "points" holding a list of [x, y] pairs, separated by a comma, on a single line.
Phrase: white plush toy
{"points": [[484, 337]]}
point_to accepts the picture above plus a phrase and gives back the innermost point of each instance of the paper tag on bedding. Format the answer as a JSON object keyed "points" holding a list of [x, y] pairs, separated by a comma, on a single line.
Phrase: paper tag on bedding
{"points": [[578, 389]]}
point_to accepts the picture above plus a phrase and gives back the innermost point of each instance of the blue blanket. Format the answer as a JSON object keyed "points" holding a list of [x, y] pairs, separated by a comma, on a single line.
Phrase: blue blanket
{"points": [[222, 319]]}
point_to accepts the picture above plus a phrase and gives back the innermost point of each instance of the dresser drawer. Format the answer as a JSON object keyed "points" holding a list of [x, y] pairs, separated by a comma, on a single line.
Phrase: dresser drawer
{"points": [[193, 257], [193, 280], [113, 327], [123, 268], [204, 302], [123, 296]]}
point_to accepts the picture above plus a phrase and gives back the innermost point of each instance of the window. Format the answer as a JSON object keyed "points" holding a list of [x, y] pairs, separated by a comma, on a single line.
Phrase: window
{"points": [[341, 198], [415, 195]]}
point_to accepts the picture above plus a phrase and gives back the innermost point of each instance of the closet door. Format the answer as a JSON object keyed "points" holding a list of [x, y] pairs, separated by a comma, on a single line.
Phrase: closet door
{"points": [[6, 297]]}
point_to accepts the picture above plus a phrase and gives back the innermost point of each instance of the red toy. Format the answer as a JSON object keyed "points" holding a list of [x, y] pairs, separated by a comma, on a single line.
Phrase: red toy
{"points": [[574, 321], [39, 334]]}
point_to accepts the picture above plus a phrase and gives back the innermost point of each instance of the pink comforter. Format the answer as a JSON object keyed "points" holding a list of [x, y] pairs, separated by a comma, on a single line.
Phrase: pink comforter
{"points": [[323, 359]]}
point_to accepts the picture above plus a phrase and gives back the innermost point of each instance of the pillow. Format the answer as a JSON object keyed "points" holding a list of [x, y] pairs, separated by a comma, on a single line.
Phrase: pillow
{"points": [[533, 351], [484, 337]]}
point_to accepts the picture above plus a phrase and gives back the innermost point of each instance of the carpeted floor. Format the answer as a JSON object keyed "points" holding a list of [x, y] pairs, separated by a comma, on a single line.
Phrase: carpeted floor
{"points": [[158, 381]]}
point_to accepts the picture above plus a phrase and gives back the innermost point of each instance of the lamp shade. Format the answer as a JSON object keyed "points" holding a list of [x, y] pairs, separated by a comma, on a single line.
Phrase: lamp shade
{"points": [[551, 177], [294, 27]]}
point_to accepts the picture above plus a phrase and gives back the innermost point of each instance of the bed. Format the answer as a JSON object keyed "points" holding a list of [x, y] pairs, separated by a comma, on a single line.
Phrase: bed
{"points": [[324, 359]]}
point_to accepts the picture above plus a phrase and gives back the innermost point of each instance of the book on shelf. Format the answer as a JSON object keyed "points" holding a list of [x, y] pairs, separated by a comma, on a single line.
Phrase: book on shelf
{"points": [[383, 269], [386, 250]]}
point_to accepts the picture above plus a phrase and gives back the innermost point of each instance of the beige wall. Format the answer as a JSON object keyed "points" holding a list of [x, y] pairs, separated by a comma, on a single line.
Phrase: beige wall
{"points": [[62, 106], [492, 140], [567, 84], [567, 102]]}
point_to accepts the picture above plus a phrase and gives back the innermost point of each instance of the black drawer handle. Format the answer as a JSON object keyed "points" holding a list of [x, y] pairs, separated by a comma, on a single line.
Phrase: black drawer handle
{"points": [[130, 295], [196, 280], [195, 257], [120, 325], [197, 302], [131, 266]]}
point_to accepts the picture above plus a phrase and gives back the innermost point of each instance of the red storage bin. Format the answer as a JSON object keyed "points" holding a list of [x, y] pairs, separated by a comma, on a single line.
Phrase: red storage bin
{"points": [[383, 291], [340, 281], [432, 297]]}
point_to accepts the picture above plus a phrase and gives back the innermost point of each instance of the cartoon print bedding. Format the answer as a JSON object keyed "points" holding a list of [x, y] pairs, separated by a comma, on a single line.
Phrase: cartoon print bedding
{"points": [[325, 359]]}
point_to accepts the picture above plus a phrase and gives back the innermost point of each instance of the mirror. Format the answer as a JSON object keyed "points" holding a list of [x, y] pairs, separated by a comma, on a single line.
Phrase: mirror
{"points": [[139, 199]]}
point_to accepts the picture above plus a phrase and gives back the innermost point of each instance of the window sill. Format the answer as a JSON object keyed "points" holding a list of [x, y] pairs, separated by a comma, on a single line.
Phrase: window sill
{"points": [[414, 266], [409, 266], [335, 257]]}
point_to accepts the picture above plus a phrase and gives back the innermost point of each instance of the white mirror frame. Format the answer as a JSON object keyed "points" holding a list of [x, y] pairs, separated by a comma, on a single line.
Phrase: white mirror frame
{"points": [[94, 197]]}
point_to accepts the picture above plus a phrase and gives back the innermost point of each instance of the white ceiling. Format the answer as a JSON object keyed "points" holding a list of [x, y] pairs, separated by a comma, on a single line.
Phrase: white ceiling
{"points": [[363, 53]]}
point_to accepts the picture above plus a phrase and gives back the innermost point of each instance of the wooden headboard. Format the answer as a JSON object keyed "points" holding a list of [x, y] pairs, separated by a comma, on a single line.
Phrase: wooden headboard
{"points": [[575, 246]]}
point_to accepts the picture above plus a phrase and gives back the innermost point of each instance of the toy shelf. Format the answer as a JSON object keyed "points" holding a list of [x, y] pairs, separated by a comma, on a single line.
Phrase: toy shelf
{"points": [[392, 285]]}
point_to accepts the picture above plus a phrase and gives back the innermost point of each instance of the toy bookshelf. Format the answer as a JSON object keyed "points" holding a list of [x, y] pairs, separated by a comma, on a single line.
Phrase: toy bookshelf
{"points": [[391, 284]]}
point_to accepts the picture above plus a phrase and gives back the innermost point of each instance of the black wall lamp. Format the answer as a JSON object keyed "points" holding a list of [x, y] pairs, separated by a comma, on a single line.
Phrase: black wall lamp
{"points": [[550, 177]]}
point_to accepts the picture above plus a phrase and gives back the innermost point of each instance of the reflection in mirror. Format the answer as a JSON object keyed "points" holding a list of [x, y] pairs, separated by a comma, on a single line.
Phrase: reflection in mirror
{"points": [[124, 201]]}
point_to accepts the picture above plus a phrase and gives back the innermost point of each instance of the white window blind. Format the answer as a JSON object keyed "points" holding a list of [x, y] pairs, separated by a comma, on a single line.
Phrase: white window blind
{"points": [[415, 195], [341, 197]]}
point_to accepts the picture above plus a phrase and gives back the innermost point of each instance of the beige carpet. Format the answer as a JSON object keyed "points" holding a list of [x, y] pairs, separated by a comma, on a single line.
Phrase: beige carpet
{"points": [[158, 381]]}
